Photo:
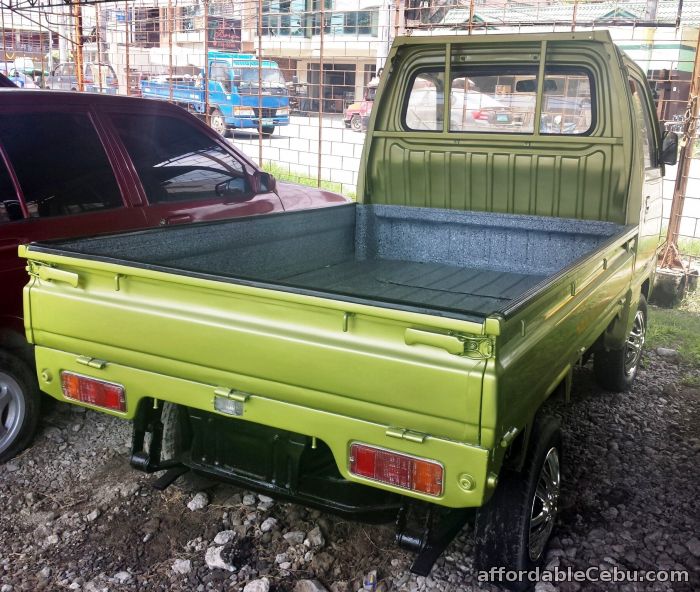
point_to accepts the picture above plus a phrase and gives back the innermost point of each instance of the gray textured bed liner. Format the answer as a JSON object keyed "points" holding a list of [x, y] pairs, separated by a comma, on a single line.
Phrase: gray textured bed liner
{"points": [[468, 262]]}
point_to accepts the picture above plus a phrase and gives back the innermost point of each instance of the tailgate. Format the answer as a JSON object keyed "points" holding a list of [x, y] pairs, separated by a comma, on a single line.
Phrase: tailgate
{"points": [[374, 364]]}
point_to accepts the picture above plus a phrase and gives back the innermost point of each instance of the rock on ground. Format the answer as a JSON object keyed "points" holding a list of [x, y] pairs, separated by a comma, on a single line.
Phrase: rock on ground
{"points": [[629, 500]]}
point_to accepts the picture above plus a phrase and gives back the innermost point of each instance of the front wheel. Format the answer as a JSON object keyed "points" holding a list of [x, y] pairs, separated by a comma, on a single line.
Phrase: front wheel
{"points": [[513, 528], [20, 403], [616, 369], [268, 130], [218, 123], [356, 123]]}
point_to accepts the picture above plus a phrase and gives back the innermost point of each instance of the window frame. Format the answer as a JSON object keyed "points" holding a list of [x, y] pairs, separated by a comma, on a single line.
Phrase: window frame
{"points": [[549, 70], [651, 133]]}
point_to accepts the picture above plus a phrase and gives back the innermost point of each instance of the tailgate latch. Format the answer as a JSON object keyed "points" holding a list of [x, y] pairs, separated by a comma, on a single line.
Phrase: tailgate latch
{"points": [[459, 344]]}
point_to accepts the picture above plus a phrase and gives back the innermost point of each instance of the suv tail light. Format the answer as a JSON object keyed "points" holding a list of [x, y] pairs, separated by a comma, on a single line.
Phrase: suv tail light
{"points": [[399, 470], [93, 392]]}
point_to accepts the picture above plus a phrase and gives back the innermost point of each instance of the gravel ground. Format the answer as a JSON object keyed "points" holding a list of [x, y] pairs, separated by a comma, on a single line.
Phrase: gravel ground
{"points": [[75, 516]]}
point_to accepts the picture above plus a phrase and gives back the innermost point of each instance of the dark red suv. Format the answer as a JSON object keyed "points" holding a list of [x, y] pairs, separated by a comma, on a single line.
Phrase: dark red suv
{"points": [[76, 164]]}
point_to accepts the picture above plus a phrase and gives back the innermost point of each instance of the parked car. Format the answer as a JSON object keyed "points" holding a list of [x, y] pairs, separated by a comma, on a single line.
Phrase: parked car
{"points": [[98, 78], [357, 112], [80, 164], [18, 78]]}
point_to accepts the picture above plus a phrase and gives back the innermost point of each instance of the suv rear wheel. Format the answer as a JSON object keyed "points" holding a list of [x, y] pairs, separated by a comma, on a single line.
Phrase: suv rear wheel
{"points": [[20, 403]]}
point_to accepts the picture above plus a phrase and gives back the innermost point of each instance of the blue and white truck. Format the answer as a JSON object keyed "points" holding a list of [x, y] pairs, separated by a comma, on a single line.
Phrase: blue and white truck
{"points": [[243, 92]]}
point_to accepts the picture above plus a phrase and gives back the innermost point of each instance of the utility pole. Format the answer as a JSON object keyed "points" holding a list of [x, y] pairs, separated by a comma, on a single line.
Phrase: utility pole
{"points": [[78, 45], [684, 160]]}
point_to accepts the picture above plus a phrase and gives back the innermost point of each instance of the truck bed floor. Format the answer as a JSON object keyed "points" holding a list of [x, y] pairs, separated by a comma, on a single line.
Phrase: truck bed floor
{"points": [[477, 290]]}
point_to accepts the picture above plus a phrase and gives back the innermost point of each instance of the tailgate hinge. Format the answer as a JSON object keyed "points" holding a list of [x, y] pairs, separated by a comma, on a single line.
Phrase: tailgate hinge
{"points": [[91, 362], [404, 434]]}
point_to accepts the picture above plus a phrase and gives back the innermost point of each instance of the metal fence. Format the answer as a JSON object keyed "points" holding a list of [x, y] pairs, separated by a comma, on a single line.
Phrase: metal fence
{"points": [[328, 53]]}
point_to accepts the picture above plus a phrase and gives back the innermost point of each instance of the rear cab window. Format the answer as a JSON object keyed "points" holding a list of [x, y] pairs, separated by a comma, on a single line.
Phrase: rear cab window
{"points": [[60, 163], [501, 99]]}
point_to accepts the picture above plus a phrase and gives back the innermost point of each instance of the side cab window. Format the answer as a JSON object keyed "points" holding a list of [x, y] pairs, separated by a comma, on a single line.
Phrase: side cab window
{"points": [[647, 133]]}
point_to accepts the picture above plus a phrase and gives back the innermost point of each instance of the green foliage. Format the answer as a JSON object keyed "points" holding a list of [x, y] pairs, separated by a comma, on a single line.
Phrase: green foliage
{"points": [[282, 174], [677, 328]]}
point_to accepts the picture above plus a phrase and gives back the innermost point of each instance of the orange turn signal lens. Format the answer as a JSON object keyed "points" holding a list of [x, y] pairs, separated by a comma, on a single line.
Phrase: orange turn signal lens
{"points": [[399, 470], [93, 391]]}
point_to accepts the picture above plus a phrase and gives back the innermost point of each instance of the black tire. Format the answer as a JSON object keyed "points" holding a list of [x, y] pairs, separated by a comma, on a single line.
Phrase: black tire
{"points": [[356, 123], [177, 439], [616, 369], [20, 405], [268, 130], [503, 526], [176, 431]]}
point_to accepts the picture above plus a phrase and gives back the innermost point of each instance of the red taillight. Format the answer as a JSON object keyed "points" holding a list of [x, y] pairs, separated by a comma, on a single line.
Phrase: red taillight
{"points": [[480, 115], [393, 468], [93, 391]]}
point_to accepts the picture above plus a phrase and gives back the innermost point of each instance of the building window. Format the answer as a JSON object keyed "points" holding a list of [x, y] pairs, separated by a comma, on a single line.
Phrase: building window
{"points": [[285, 18], [188, 17], [146, 27], [359, 22]]}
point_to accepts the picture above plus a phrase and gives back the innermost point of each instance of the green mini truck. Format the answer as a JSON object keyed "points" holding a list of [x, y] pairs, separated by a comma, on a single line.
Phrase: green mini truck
{"points": [[389, 359]]}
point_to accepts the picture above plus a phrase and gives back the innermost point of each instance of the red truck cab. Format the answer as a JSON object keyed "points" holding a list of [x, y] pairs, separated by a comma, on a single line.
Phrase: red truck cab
{"points": [[75, 164]]}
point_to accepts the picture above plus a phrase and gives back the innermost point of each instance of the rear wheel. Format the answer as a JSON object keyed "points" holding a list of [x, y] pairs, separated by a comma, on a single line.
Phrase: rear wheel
{"points": [[268, 130], [356, 123], [513, 528], [176, 432], [616, 369], [177, 438], [20, 405], [217, 122]]}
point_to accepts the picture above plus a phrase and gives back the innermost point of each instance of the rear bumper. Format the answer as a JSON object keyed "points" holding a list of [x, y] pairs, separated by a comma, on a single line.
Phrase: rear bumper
{"points": [[466, 467]]}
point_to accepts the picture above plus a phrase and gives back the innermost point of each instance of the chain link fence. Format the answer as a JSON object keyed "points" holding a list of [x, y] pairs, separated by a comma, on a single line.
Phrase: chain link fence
{"points": [[292, 82]]}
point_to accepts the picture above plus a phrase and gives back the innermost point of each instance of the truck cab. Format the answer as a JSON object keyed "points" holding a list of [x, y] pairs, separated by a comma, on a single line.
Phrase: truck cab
{"points": [[241, 92]]}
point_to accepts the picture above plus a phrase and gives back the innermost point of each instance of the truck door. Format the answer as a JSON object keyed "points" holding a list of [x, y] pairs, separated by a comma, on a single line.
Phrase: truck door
{"points": [[650, 217]]}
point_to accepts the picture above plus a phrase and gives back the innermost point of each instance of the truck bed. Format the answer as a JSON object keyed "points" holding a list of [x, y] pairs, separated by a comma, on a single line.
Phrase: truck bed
{"points": [[451, 263]]}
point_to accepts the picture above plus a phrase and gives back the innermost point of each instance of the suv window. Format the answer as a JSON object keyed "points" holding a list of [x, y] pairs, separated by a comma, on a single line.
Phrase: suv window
{"points": [[176, 161], [9, 205], [60, 163]]}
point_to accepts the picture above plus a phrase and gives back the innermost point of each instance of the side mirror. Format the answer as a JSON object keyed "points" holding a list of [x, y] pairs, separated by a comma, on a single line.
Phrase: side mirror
{"points": [[236, 80], [234, 190], [669, 148], [266, 182]]}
